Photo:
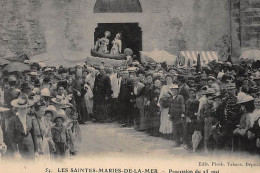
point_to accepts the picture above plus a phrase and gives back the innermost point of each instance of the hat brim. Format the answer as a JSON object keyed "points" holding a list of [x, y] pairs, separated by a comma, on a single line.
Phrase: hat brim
{"points": [[61, 104], [14, 103], [230, 88], [54, 101], [52, 111], [64, 106], [244, 101], [2, 109], [64, 118]]}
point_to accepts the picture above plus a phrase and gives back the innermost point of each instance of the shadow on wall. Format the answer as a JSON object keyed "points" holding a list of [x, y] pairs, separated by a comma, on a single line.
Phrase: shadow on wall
{"points": [[117, 6]]}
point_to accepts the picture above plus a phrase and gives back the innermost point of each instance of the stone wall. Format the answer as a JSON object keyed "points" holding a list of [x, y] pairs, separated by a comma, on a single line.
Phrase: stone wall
{"points": [[235, 28], [38, 26], [172, 25], [20, 30], [250, 24], [245, 25]]}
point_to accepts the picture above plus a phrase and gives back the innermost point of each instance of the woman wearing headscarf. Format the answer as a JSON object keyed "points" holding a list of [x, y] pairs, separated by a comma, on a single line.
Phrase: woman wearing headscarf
{"points": [[22, 130]]}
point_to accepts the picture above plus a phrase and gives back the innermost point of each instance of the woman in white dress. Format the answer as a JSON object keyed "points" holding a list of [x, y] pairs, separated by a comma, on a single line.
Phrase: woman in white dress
{"points": [[117, 45], [166, 123]]}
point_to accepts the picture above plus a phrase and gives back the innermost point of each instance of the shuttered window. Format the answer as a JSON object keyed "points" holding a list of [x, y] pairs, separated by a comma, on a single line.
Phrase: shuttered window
{"points": [[117, 6]]}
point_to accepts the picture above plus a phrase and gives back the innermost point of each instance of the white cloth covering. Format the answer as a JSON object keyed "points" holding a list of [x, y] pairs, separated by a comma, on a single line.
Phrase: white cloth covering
{"points": [[115, 84]]}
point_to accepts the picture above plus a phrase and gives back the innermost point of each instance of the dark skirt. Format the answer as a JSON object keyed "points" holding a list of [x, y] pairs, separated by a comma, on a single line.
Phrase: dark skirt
{"points": [[26, 148], [153, 116], [82, 111]]}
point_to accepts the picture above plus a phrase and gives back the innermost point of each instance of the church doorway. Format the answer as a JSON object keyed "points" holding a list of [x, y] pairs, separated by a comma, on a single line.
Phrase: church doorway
{"points": [[131, 35]]}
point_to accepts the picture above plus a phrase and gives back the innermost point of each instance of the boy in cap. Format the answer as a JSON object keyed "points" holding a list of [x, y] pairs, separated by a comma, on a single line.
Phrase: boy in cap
{"points": [[60, 135]]}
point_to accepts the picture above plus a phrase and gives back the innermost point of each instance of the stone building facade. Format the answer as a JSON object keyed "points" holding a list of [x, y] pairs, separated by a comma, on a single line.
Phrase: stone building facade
{"points": [[20, 28], [40, 26], [245, 25]]}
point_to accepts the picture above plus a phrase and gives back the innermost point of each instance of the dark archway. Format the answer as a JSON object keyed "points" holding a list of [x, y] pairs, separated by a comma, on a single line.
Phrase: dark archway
{"points": [[117, 6], [131, 34]]}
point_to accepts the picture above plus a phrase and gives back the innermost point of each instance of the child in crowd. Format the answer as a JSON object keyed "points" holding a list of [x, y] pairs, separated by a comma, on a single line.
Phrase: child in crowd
{"points": [[73, 130], [60, 135]]}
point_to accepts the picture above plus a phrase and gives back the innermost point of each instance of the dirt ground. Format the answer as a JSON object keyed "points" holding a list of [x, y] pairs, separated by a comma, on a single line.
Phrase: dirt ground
{"points": [[111, 139]]}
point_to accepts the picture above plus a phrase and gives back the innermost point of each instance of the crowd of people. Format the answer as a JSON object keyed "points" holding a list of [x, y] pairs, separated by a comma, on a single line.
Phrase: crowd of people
{"points": [[216, 107]]}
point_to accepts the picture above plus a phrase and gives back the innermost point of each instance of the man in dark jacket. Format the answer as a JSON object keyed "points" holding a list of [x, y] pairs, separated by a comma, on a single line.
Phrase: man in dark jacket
{"points": [[125, 107], [101, 92], [192, 107], [176, 111], [183, 87], [9, 95]]}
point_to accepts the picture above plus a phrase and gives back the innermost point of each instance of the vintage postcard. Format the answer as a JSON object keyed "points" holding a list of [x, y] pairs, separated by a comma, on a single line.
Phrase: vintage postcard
{"points": [[129, 86]]}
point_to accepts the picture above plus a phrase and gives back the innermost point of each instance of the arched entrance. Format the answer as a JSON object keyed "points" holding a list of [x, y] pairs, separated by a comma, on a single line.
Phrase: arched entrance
{"points": [[131, 35]]}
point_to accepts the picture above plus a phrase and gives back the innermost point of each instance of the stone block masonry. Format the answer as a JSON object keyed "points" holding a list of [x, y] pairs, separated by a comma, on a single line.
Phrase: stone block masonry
{"points": [[20, 29], [250, 24]]}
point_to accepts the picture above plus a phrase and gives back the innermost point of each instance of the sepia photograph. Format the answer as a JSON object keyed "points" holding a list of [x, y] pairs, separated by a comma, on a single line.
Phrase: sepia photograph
{"points": [[129, 86]]}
